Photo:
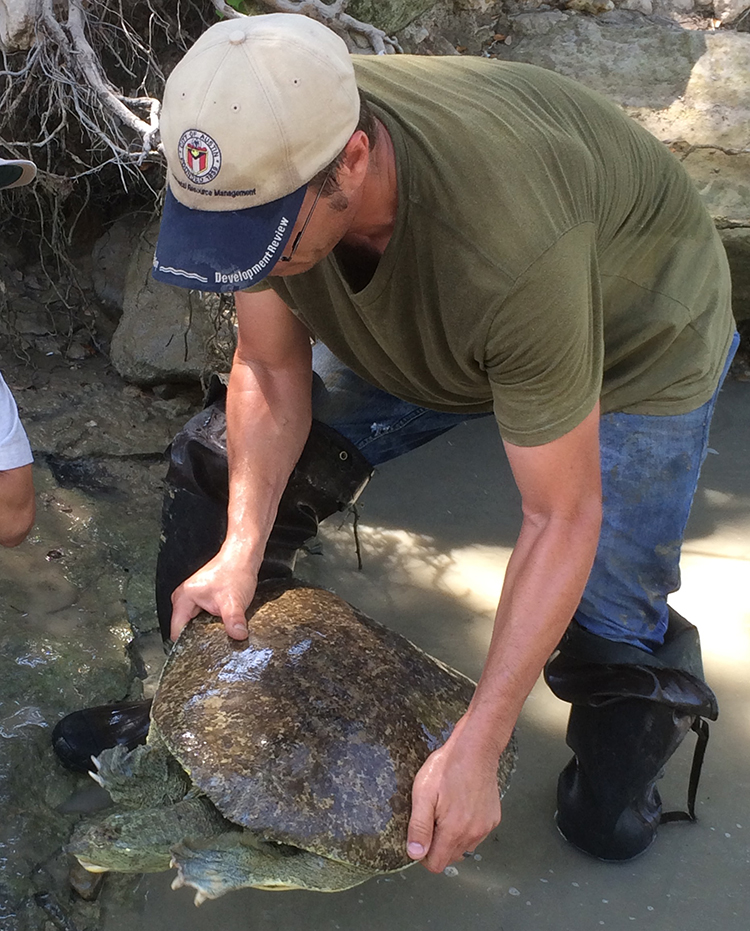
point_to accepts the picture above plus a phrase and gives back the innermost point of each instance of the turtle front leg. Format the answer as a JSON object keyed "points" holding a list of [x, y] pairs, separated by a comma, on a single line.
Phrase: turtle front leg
{"points": [[236, 861], [141, 778]]}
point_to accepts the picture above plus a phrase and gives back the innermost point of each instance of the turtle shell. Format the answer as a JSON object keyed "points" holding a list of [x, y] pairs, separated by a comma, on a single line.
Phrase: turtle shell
{"points": [[310, 732]]}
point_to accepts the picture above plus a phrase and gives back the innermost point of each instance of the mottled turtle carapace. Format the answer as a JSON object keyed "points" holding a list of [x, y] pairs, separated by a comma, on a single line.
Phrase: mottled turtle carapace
{"points": [[281, 761]]}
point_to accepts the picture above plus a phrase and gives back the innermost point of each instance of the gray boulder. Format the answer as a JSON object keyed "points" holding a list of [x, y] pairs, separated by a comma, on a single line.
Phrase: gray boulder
{"points": [[169, 334]]}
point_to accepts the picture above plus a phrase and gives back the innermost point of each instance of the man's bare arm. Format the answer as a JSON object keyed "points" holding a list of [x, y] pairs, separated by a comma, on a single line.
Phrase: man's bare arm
{"points": [[268, 420], [17, 505], [455, 798]]}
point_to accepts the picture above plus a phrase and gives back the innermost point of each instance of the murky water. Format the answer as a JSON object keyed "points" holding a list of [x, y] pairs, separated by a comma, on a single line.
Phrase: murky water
{"points": [[73, 596]]}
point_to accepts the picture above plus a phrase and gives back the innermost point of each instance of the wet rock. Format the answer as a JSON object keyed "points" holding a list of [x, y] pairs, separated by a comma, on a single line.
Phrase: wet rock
{"points": [[65, 630], [96, 418], [59, 917], [85, 884], [85, 800], [149, 655]]}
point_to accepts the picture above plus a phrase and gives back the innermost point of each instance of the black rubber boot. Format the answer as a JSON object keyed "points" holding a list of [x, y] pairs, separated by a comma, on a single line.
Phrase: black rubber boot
{"points": [[630, 711], [83, 734]]}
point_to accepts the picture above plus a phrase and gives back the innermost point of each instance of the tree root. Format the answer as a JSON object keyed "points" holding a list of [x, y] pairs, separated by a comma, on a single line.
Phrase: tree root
{"points": [[83, 101]]}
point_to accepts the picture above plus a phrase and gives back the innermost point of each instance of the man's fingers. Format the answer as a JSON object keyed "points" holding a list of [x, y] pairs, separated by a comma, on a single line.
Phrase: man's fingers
{"points": [[449, 850], [201, 593], [421, 824], [183, 608]]}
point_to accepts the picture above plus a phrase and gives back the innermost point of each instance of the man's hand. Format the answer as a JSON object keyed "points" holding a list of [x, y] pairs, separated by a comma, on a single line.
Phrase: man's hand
{"points": [[224, 587], [455, 803]]}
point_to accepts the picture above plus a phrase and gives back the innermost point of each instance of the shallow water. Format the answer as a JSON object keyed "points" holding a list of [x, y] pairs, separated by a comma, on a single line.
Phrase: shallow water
{"points": [[435, 530]]}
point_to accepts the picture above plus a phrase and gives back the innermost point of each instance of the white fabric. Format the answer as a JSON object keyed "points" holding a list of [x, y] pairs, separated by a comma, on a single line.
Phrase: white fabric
{"points": [[15, 450], [28, 171]]}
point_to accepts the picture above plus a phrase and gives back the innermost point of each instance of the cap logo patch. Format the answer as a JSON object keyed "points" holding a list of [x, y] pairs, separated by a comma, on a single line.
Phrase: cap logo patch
{"points": [[199, 155]]}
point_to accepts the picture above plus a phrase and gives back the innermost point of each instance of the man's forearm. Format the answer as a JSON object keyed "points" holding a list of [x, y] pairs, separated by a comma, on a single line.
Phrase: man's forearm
{"points": [[543, 586], [268, 421]]}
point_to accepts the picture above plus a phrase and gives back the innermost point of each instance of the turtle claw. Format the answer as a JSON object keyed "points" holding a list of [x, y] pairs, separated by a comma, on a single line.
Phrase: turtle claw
{"points": [[97, 779], [204, 868]]}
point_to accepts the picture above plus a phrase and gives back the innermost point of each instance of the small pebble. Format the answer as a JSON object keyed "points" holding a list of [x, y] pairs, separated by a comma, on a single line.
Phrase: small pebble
{"points": [[85, 884], [450, 871], [513, 891]]}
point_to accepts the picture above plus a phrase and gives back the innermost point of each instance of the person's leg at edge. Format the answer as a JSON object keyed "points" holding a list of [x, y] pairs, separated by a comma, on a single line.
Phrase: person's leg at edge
{"points": [[629, 664]]}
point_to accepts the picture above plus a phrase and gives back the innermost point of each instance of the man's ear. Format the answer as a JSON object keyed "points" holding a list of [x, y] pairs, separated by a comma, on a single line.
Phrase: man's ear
{"points": [[355, 162]]}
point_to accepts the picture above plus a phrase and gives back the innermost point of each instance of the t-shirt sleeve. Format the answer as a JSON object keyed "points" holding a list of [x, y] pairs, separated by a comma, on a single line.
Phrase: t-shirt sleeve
{"points": [[276, 284], [544, 348], [257, 288], [15, 450]]}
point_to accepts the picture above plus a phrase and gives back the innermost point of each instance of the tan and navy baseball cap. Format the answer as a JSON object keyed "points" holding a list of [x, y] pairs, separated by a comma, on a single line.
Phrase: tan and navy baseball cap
{"points": [[256, 108], [15, 172]]}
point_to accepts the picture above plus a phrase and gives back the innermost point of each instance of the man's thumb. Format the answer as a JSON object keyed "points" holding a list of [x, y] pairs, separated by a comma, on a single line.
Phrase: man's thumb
{"points": [[235, 623]]}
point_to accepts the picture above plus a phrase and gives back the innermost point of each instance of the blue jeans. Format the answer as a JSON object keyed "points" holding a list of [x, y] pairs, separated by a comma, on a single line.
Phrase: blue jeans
{"points": [[650, 468]]}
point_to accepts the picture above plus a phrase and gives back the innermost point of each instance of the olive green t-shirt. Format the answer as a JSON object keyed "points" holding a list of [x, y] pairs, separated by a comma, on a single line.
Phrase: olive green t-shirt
{"points": [[547, 251]]}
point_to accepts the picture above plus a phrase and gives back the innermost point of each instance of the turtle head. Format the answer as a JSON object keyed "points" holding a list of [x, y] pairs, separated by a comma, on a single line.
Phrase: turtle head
{"points": [[117, 843]]}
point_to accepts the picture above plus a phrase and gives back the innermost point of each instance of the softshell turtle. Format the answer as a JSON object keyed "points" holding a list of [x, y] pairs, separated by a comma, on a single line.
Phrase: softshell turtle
{"points": [[283, 761]]}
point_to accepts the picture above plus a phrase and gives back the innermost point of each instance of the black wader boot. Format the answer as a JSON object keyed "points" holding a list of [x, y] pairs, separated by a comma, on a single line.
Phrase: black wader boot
{"points": [[630, 711], [329, 476]]}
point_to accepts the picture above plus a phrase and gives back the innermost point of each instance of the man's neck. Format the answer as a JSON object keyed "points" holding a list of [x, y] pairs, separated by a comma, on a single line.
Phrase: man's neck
{"points": [[375, 219]]}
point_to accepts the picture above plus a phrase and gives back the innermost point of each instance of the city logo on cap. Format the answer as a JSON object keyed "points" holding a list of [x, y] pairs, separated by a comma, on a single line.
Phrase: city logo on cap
{"points": [[199, 155]]}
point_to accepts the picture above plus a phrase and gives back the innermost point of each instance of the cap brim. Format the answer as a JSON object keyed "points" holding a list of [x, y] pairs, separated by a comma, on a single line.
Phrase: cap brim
{"points": [[223, 250], [15, 172]]}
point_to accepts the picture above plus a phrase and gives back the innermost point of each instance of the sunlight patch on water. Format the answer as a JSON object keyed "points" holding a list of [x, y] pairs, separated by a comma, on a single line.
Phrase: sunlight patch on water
{"points": [[714, 597], [472, 574], [476, 575]]}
